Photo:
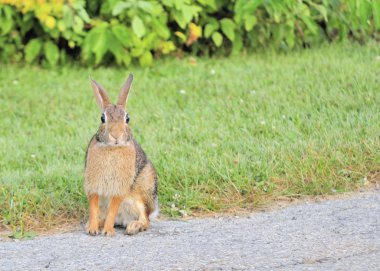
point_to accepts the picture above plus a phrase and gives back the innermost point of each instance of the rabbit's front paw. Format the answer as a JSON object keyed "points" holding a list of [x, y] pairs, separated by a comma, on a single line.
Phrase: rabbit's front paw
{"points": [[108, 231], [92, 228], [134, 227]]}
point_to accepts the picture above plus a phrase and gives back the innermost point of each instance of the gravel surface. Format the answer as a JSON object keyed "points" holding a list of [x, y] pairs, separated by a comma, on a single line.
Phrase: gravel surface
{"points": [[330, 235]]}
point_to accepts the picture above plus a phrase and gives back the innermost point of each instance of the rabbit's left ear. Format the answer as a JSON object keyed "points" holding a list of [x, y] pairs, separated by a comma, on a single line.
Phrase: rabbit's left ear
{"points": [[123, 95], [100, 94]]}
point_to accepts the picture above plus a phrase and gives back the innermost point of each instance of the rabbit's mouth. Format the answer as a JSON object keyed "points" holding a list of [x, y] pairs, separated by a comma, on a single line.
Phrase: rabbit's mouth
{"points": [[118, 143], [107, 140], [116, 140]]}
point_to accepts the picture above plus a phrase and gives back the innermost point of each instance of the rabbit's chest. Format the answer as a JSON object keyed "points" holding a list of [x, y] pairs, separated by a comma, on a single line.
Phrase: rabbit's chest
{"points": [[110, 171], [118, 166]]}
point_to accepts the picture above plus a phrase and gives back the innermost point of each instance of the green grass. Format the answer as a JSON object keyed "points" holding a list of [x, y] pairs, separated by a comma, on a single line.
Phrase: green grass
{"points": [[223, 133]]}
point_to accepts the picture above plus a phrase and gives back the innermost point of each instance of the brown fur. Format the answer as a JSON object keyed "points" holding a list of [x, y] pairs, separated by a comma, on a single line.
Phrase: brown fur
{"points": [[103, 165], [93, 226], [120, 181], [113, 209]]}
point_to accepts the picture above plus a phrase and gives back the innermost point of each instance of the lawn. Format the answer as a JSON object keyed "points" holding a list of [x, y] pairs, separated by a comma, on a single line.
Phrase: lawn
{"points": [[222, 133]]}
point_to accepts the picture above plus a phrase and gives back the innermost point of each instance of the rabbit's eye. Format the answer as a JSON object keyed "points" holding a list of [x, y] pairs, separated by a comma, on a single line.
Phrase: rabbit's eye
{"points": [[126, 118], [103, 118]]}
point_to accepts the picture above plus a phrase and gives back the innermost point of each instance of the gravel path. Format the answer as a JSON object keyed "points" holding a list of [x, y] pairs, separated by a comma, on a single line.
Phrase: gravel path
{"points": [[331, 235]]}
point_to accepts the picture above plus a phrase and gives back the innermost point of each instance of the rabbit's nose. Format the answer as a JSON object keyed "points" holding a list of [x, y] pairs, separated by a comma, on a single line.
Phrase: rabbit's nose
{"points": [[115, 139]]}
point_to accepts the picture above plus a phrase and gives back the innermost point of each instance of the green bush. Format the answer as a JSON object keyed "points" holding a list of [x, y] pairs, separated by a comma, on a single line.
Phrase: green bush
{"points": [[105, 32]]}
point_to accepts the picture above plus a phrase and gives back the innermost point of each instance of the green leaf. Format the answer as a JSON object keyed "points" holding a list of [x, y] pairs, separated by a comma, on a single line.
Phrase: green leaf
{"points": [[168, 3], [364, 12], [228, 28], [311, 25], [237, 45], [376, 14], [146, 6], [250, 22], [27, 24], [51, 52], [180, 35], [26, 235], [6, 20], [78, 24], [210, 3], [247, 6], [138, 26], [146, 59], [123, 34], [68, 15], [209, 29], [61, 26], [127, 59], [179, 18], [16, 235], [119, 7], [83, 14], [150, 41], [187, 12], [161, 29], [217, 38], [121, 54], [167, 47], [116, 48], [32, 50], [290, 38], [138, 51], [96, 42], [322, 10], [6, 27]]}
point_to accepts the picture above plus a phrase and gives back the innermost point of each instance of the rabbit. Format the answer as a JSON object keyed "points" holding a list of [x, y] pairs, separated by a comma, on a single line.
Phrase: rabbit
{"points": [[119, 180]]}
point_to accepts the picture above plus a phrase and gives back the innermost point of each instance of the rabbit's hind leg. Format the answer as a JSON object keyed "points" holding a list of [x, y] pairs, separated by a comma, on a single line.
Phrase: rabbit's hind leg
{"points": [[142, 223]]}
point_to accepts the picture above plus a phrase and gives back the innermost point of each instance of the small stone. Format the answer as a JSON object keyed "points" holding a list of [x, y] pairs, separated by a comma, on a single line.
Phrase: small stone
{"points": [[365, 181], [176, 230]]}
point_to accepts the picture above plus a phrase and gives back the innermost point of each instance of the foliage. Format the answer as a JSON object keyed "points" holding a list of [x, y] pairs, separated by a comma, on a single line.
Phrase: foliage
{"points": [[103, 32]]}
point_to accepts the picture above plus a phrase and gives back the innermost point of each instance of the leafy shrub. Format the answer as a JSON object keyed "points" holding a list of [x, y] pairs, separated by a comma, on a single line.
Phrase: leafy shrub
{"points": [[103, 32]]}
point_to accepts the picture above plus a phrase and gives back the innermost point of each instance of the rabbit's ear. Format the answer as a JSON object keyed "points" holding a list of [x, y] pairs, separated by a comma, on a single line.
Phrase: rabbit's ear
{"points": [[123, 95], [100, 95]]}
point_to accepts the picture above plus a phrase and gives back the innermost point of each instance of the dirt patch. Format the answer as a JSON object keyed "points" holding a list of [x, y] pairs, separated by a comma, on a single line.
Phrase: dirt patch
{"points": [[269, 203]]}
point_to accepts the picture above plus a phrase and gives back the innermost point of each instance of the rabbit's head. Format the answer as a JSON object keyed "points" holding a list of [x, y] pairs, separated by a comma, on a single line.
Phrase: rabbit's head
{"points": [[114, 129]]}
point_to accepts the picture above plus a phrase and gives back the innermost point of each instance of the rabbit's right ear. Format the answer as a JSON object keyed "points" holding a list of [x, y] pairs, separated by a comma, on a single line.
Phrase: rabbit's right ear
{"points": [[123, 95], [100, 95]]}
